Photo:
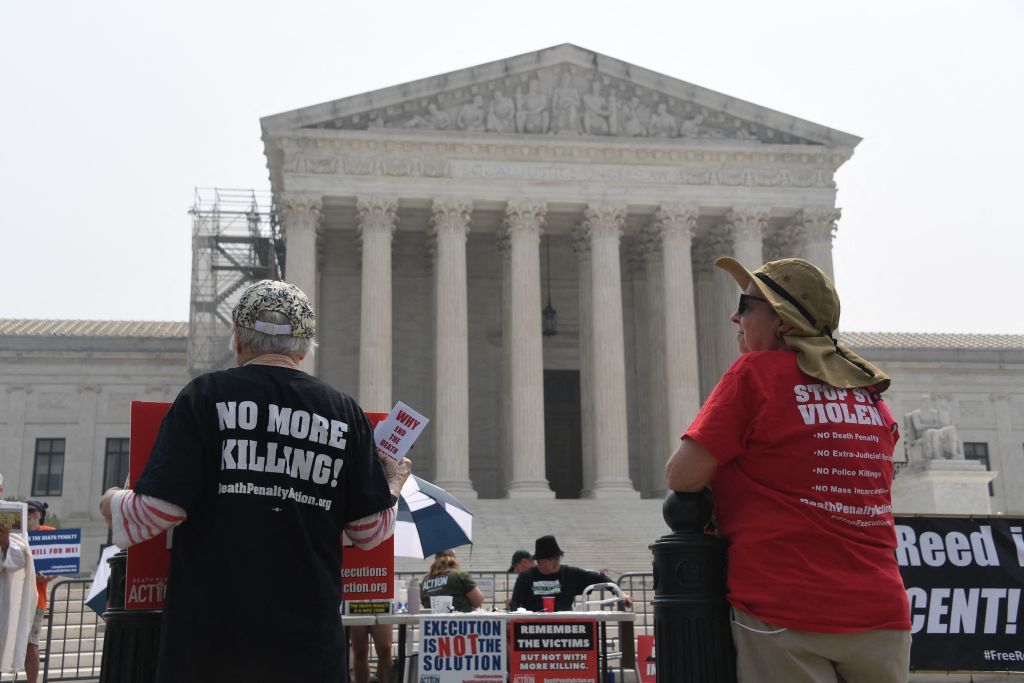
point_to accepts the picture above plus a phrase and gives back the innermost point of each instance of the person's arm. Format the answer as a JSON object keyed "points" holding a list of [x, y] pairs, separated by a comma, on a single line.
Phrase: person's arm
{"points": [[475, 597], [13, 554], [372, 530], [134, 518], [690, 468]]}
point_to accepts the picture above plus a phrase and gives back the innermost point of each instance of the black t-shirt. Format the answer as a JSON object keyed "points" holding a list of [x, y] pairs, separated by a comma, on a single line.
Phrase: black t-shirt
{"points": [[270, 464], [564, 585]]}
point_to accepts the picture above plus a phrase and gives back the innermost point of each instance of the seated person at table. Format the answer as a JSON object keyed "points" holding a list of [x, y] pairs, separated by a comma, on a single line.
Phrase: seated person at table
{"points": [[447, 578], [551, 578]]}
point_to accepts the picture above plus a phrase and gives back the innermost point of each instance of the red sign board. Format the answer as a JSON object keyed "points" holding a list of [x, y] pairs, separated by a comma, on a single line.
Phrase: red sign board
{"points": [[645, 659], [553, 650], [146, 569]]}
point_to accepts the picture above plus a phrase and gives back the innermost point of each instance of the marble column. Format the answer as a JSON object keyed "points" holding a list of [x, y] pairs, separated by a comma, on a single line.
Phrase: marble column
{"points": [[378, 217], [450, 223], [301, 215], [653, 413], [714, 310], [1011, 475], [14, 443], [748, 225], [817, 228], [526, 370], [581, 247], [604, 223], [675, 225], [504, 431]]}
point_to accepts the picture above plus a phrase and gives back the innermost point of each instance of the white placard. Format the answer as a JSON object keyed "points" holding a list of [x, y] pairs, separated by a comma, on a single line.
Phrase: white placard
{"points": [[396, 433]]}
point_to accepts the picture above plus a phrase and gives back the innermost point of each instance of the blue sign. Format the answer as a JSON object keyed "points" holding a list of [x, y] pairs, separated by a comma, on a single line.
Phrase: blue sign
{"points": [[57, 552]]}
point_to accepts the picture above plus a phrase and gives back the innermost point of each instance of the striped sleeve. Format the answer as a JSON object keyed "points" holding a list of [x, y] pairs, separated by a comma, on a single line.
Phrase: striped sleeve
{"points": [[370, 531], [135, 519]]}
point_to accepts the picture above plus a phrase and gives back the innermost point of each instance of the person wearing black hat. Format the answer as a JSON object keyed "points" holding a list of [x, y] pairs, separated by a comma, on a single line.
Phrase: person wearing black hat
{"points": [[797, 445], [550, 578], [36, 510]]}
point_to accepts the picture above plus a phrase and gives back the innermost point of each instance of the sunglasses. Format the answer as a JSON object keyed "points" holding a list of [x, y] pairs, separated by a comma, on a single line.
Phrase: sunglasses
{"points": [[31, 510], [744, 298]]}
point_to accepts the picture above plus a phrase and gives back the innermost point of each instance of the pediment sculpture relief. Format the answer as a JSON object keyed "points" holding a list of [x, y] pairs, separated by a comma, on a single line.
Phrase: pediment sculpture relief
{"points": [[563, 101]]}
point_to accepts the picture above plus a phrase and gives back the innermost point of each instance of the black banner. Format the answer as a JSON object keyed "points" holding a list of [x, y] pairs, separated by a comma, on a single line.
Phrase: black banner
{"points": [[964, 578]]}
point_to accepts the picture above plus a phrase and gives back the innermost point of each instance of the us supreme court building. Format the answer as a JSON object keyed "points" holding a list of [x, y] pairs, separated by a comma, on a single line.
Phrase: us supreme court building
{"points": [[522, 251]]}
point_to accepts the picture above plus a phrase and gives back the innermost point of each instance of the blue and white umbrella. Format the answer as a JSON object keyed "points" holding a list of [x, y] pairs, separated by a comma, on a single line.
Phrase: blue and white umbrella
{"points": [[430, 520]]}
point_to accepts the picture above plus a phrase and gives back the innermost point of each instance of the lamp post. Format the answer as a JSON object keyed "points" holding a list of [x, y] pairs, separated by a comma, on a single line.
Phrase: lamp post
{"points": [[549, 317]]}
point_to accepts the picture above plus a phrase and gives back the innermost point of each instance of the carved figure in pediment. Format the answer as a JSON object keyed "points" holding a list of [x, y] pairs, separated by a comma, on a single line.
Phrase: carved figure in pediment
{"points": [[632, 126], [663, 124], [436, 118], [743, 134], [472, 115], [595, 111], [691, 127], [565, 107], [501, 115], [532, 114], [376, 121]]}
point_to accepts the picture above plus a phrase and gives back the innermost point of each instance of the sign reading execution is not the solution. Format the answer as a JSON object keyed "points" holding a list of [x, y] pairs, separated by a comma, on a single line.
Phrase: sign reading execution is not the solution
{"points": [[963, 579], [457, 648]]}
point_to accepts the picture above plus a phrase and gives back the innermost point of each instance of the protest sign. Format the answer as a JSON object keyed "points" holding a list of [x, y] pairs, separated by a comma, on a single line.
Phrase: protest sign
{"points": [[396, 433], [368, 574], [645, 659], [12, 516], [457, 648], [963, 578], [148, 562], [57, 552], [553, 650]]}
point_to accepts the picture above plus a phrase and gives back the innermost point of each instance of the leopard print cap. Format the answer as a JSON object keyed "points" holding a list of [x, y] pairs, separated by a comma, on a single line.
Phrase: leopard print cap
{"points": [[274, 295]]}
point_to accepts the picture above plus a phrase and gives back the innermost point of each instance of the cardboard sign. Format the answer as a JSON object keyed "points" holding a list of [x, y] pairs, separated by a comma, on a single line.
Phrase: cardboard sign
{"points": [[462, 648], [553, 650], [396, 434], [645, 659], [963, 578], [13, 515], [57, 552], [148, 562]]}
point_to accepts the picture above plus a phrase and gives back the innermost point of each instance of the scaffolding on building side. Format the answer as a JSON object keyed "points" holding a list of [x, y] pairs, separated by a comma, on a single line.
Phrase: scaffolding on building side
{"points": [[236, 240]]}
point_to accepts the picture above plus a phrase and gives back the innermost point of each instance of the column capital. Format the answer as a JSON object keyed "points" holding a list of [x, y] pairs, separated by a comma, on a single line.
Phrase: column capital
{"points": [[816, 224], [581, 242], [300, 211], [450, 215], [784, 243], [377, 213], [675, 221], [604, 219], [749, 222], [525, 216], [709, 248]]}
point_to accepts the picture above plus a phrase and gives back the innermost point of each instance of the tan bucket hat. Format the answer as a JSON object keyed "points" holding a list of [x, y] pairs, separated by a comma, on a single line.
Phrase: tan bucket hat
{"points": [[805, 298]]}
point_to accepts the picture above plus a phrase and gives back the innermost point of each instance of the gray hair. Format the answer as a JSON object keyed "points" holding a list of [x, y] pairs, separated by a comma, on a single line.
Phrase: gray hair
{"points": [[260, 342]]}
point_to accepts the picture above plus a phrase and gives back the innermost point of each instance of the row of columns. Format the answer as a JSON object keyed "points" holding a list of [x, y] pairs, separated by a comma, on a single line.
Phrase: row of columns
{"points": [[677, 378]]}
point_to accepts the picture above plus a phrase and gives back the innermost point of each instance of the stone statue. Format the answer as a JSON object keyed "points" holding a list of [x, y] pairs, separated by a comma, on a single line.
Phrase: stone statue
{"points": [[691, 127], [532, 114], [501, 115], [471, 115], [436, 118], [743, 134], [632, 126], [663, 124], [565, 107], [931, 436], [595, 111]]}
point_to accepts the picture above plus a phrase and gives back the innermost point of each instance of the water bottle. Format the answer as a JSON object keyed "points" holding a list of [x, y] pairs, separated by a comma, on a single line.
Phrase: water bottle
{"points": [[413, 595]]}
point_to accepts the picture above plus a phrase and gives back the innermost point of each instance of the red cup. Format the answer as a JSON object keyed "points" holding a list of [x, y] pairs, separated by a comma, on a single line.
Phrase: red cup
{"points": [[549, 603]]}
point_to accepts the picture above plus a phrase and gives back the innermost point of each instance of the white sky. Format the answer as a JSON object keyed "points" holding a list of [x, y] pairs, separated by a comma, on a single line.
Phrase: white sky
{"points": [[112, 112]]}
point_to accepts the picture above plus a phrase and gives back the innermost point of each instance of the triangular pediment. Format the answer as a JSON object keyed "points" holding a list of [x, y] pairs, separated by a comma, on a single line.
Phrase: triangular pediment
{"points": [[564, 91]]}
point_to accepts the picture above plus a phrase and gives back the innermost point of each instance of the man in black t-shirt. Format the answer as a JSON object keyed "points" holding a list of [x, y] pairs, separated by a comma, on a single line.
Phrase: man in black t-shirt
{"points": [[259, 469], [551, 578]]}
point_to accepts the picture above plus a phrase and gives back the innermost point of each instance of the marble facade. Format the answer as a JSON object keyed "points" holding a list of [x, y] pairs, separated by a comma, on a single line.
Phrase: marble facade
{"points": [[415, 216]]}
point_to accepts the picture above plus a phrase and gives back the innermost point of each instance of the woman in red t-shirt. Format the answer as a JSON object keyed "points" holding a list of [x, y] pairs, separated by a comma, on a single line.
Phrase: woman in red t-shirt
{"points": [[797, 446]]}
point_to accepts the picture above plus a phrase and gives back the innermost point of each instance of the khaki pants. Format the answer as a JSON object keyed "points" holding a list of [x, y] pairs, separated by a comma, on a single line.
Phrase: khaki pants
{"points": [[769, 654]]}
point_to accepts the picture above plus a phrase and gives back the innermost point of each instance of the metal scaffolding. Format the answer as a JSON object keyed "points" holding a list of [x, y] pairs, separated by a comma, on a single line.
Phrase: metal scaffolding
{"points": [[236, 240]]}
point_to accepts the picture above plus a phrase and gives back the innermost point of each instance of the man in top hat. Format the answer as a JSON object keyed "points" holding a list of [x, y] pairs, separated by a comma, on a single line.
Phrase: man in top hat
{"points": [[550, 578], [259, 468]]}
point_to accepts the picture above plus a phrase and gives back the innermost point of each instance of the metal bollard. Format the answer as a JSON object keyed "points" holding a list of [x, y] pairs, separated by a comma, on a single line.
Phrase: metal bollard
{"points": [[691, 614], [131, 640]]}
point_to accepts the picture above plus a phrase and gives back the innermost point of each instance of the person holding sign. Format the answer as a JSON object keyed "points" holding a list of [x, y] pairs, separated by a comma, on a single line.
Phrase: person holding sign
{"points": [[550, 578], [259, 469], [17, 590], [36, 511], [797, 446]]}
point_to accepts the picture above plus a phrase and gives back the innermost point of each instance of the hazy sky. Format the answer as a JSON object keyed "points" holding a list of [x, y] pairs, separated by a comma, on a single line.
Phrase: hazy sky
{"points": [[112, 112]]}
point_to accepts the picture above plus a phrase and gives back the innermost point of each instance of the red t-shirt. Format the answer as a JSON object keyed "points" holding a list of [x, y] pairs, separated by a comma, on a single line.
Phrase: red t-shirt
{"points": [[802, 493], [42, 583]]}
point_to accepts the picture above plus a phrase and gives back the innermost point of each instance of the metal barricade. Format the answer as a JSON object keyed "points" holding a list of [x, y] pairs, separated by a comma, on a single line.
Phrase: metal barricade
{"points": [[73, 646]]}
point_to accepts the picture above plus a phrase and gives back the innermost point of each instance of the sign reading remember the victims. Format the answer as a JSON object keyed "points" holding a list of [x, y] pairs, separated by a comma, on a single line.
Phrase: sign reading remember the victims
{"points": [[963, 578], [396, 434], [456, 648], [553, 650]]}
